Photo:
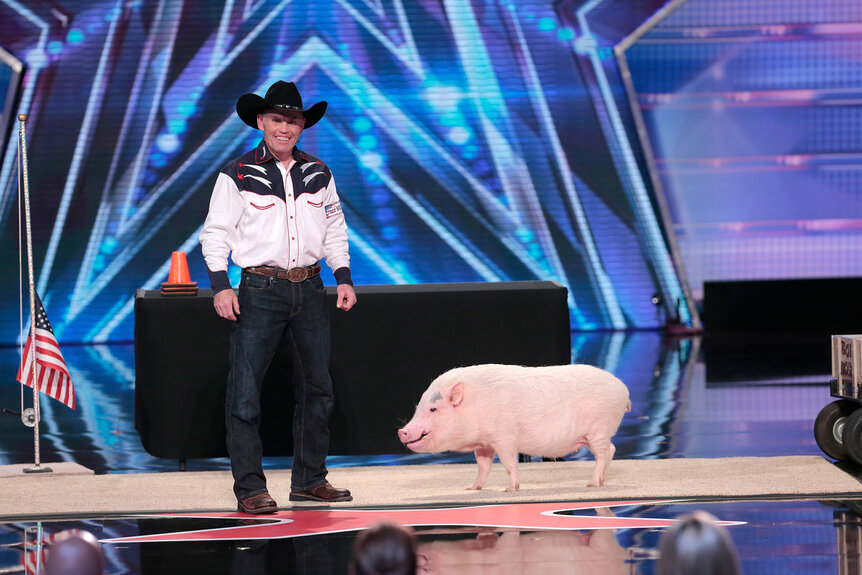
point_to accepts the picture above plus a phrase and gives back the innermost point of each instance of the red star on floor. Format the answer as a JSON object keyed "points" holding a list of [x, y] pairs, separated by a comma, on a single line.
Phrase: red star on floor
{"points": [[298, 522]]}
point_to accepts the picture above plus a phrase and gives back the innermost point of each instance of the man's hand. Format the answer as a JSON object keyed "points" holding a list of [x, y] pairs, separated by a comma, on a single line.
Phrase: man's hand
{"points": [[346, 297], [226, 304]]}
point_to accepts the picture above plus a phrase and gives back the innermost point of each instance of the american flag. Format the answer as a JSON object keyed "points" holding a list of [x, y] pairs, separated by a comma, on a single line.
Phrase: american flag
{"points": [[51, 370], [35, 555]]}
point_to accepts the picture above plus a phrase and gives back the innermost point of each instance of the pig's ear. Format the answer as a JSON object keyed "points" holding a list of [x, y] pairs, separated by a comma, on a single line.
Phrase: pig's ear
{"points": [[456, 394]]}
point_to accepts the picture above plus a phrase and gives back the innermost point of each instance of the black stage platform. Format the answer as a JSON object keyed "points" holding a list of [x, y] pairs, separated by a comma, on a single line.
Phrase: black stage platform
{"points": [[774, 329]]}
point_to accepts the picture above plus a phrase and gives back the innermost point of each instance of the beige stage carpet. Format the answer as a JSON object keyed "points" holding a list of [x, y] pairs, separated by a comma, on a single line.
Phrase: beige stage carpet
{"points": [[49, 495]]}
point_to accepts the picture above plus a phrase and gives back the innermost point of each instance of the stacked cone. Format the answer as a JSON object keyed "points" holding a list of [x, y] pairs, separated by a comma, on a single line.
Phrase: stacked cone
{"points": [[179, 282]]}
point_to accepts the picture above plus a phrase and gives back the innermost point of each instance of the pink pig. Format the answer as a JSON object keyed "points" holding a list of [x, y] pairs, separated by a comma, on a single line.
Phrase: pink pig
{"points": [[509, 409]]}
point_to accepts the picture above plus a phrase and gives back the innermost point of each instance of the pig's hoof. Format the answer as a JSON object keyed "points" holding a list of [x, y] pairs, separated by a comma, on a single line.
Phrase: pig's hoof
{"points": [[594, 484], [473, 488]]}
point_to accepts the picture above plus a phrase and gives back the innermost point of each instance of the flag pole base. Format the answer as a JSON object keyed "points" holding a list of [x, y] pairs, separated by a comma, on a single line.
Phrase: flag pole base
{"points": [[37, 469]]}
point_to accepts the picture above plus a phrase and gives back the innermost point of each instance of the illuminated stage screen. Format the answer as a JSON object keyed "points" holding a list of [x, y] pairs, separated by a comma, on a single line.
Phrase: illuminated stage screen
{"points": [[10, 79], [470, 142], [460, 134], [753, 112]]}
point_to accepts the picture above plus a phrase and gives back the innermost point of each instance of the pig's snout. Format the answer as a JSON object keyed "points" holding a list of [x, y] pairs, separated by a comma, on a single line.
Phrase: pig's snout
{"points": [[409, 436]]}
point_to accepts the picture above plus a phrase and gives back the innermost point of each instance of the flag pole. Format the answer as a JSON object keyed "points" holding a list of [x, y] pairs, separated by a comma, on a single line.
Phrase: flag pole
{"points": [[22, 140]]}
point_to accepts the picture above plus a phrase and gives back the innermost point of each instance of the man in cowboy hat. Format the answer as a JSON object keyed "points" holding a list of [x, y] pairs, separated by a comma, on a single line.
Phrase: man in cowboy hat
{"points": [[276, 211]]}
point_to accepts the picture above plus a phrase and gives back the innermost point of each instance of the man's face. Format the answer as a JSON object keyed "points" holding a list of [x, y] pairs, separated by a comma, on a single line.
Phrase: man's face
{"points": [[281, 130]]}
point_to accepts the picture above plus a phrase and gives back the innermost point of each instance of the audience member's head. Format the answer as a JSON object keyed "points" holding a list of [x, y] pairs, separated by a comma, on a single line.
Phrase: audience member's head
{"points": [[697, 544], [75, 552], [386, 548]]}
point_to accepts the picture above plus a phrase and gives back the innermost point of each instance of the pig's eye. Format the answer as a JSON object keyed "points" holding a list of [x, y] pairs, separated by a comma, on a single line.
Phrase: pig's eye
{"points": [[433, 409]]}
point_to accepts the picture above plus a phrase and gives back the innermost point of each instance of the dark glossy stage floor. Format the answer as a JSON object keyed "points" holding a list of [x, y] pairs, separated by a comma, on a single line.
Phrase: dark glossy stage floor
{"points": [[703, 397]]}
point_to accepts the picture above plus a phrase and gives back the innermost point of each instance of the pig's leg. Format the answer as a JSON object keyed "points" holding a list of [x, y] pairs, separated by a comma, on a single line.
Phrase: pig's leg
{"points": [[603, 450], [484, 457], [509, 459]]}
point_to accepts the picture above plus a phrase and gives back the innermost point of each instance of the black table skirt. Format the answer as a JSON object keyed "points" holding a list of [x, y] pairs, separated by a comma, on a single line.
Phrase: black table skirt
{"points": [[385, 352]]}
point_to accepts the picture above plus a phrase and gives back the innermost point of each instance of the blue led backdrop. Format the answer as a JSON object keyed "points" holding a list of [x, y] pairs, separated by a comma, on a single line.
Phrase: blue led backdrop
{"points": [[576, 141], [462, 136]]}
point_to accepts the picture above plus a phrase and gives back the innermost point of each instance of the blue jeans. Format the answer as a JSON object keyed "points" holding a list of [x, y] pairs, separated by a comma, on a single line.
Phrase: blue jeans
{"points": [[268, 308]]}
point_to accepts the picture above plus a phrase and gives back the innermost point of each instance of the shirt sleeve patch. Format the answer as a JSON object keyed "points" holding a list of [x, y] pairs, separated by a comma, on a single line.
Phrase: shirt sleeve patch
{"points": [[333, 210]]}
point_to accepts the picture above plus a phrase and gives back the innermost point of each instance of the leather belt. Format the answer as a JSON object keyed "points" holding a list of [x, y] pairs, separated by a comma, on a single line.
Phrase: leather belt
{"points": [[295, 275]]}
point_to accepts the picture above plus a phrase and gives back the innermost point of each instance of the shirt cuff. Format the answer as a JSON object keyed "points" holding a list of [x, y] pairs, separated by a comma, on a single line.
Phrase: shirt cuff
{"points": [[342, 276], [219, 280]]}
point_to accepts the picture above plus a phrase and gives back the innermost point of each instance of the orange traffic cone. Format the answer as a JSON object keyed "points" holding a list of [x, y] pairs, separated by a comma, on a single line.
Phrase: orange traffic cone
{"points": [[179, 269], [179, 282]]}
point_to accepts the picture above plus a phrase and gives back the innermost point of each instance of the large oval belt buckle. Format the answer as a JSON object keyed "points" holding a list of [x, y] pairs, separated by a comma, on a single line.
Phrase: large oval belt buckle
{"points": [[297, 275]]}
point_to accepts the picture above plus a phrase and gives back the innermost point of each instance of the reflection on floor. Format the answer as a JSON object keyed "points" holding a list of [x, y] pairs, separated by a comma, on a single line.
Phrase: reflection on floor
{"points": [[691, 398]]}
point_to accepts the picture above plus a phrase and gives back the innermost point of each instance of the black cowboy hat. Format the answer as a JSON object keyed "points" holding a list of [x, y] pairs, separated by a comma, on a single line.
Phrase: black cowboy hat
{"points": [[281, 96]]}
